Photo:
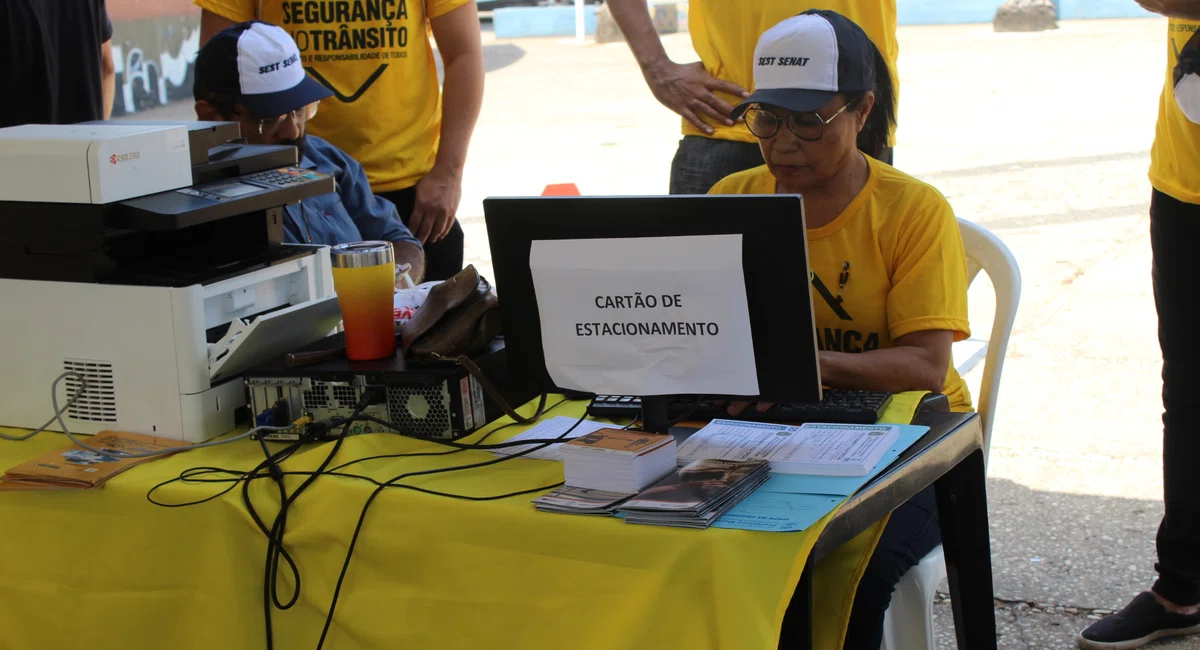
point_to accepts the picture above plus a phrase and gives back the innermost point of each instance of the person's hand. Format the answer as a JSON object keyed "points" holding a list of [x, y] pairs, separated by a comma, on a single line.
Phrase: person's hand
{"points": [[1189, 9], [735, 409], [688, 89], [436, 206]]}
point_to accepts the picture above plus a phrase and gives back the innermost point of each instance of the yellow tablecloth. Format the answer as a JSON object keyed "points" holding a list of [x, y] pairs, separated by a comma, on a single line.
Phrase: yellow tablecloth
{"points": [[108, 570]]}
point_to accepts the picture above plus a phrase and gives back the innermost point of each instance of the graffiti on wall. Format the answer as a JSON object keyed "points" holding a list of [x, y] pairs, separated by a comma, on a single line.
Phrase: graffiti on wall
{"points": [[147, 78]]}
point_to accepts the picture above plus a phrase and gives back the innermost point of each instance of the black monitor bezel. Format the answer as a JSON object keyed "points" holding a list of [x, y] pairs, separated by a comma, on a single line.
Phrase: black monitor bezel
{"points": [[774, 262]]}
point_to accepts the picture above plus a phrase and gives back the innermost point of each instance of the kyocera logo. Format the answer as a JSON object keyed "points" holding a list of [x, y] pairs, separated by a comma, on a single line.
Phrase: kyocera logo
{"points": [[124, 157]]}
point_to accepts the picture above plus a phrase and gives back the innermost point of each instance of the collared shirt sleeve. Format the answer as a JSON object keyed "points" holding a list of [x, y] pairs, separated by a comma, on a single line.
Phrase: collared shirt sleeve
{"points": [[375, 216]]}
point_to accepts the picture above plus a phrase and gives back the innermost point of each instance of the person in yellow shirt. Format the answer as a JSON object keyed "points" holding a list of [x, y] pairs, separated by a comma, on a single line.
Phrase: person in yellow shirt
{"points": [[387, 111], [1172, 605], [886, 259], [723, 34]]}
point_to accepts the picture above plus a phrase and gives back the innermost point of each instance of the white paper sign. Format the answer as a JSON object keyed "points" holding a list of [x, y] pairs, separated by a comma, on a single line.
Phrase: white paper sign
{"points": [[648, 316]]}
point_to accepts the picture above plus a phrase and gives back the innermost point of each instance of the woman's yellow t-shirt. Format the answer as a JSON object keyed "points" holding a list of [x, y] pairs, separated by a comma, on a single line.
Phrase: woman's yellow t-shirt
{"points": [[377, 58], [725, 32], [896, 258]]}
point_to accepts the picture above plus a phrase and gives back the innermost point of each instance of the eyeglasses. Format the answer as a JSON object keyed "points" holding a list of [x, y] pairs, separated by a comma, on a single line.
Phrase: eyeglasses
{"points": [[809, 127], [268, 125]]}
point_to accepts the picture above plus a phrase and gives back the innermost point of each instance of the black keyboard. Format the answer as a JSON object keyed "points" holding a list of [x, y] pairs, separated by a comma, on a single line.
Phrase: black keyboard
{"points": [[837, 406]]}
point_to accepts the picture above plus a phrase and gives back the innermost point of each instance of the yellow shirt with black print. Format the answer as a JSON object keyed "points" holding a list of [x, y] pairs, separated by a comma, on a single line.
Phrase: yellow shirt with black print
{"points": [[892, 263], [377, 58], [1175, 157]]}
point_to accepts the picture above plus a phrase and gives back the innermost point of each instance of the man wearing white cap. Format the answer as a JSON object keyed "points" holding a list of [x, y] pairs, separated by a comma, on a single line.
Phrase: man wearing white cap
{"points": [[251, 74], [408, 125]]}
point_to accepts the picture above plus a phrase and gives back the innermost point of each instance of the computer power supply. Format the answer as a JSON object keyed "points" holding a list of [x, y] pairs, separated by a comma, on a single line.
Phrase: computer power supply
{"points": [[440, 401]]}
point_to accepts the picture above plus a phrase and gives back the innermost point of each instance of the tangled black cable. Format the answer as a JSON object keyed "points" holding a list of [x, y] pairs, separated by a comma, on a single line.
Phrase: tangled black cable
{"points": [[270, 468]]}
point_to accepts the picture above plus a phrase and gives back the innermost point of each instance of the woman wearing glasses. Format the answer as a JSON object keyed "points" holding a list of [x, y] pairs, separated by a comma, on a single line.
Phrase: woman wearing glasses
{"points": [[887, 264]]}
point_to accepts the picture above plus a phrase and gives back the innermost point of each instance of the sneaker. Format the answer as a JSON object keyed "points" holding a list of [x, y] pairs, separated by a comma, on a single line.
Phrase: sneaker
{"points": [[1143, 620]]}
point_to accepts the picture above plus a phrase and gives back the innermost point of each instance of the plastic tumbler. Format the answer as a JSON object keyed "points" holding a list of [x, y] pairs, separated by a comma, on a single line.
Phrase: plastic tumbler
{"points": [[364, 277]]}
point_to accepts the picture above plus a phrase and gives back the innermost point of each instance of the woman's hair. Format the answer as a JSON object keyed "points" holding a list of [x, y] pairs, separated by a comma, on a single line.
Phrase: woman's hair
{"points": [[873, 139]]}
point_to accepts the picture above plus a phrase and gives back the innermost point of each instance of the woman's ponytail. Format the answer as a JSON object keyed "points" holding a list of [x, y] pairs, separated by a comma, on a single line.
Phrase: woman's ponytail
{"points": [[873, 139]]}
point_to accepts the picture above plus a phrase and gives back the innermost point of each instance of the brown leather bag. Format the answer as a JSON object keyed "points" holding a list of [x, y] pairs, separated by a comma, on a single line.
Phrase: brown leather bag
{"points": [[459, 317]]}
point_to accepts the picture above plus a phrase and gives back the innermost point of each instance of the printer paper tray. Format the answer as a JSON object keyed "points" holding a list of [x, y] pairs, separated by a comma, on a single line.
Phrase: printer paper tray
{"points": [[275, 334]]}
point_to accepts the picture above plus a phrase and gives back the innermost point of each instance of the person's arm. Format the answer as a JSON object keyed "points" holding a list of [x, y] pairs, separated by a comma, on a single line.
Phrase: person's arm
{"points": [[918, 362], [687, 88], [375, 216], [1187, 9], [211, 23], [439, 192], [108, 77], [926, 308]]}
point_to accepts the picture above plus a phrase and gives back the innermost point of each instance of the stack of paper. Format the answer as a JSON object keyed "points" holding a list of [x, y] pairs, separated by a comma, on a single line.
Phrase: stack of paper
{"points": [[697, 494], [615, 460], [824, 449], [580, 501], [83, 469]]}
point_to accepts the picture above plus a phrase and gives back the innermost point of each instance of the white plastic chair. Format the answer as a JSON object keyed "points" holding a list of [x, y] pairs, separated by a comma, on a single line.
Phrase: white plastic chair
{"points": [[908, 624]]}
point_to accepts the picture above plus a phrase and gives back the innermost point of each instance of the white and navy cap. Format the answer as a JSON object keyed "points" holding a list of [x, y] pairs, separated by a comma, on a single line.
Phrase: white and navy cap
{"points": [[805, 61], [257, 65]]}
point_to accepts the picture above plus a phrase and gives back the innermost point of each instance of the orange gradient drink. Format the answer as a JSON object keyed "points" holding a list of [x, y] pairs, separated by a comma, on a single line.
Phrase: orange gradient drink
{"points": [[364, 277]]}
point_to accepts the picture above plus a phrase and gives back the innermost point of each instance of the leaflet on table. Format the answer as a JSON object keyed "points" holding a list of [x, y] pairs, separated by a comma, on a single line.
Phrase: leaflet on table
{"points": [[645, 316], [551, 428], [844, 485], [826, 449], [580, 501], [778, 513], [79, 468]]}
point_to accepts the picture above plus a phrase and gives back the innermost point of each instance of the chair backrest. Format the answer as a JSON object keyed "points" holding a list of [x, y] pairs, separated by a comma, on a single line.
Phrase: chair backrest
{"points": [[986, 252]]}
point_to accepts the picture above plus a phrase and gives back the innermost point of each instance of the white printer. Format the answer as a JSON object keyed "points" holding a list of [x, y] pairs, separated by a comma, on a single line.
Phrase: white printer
{"points": [[91, 163], [157, 278]]}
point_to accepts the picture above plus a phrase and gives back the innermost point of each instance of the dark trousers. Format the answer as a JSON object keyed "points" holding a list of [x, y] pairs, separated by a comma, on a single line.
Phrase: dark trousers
{"points": [[1174, 235], [910, 534], [444, 257], [700, 162]]}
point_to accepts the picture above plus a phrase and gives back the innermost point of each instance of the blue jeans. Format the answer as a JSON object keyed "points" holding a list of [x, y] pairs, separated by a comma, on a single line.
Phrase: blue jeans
{"points": [[911, 533]]}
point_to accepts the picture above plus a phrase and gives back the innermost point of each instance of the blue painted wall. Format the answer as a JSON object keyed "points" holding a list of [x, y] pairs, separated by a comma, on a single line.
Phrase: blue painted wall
{"points": [[954, 12], [519, 22], [946, 12], [1084, 9]]}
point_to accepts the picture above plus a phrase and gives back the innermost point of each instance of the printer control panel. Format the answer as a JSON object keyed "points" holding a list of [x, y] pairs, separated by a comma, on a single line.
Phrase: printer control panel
{"points": [[272, 179], [285, 176]]}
